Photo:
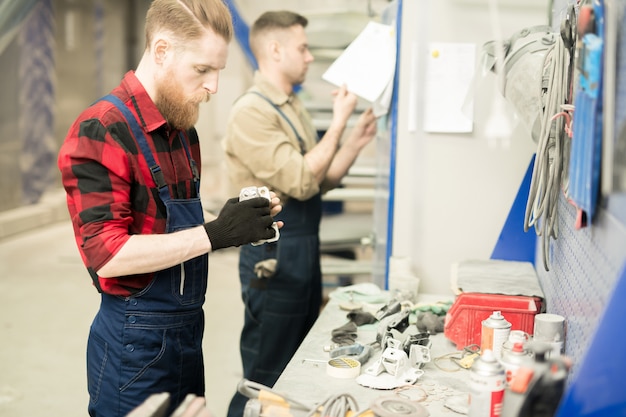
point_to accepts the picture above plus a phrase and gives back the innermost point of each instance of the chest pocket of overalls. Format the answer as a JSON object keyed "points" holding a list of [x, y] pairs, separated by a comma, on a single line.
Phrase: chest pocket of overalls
{"points": [[189, 279]]}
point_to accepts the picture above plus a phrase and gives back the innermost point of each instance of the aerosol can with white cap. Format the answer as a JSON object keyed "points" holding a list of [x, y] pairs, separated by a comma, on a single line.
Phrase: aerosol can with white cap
{"points": [[486, 383], [494, 332]]}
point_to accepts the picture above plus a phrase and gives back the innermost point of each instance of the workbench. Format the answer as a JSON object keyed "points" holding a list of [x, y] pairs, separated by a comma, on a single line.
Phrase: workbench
{"points": [[305, 378]]}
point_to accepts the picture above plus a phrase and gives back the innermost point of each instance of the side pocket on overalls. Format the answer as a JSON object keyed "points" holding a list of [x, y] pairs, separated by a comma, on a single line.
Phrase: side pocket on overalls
{"points": [[97, 356]]}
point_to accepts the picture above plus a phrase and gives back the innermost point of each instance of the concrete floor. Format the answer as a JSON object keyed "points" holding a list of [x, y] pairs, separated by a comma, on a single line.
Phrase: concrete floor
{"points": [[47, 303]]}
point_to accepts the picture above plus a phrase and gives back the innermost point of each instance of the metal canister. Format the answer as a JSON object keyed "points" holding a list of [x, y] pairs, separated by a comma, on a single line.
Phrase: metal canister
{"points": [[513, 359], [494, 332], [515, 353], [486, 383]]}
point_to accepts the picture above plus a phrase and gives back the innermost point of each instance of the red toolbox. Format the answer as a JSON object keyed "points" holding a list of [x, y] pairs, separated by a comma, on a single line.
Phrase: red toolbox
{"points": [[463, 321]]}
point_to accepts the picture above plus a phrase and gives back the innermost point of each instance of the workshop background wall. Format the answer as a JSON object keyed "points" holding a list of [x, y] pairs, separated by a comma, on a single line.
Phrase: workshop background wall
{"points": [[61, 57], [453, 192]]}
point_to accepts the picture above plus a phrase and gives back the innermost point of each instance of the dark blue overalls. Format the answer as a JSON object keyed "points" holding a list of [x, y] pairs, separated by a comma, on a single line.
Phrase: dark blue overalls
{"points": [[151, 342], [280, 310]]}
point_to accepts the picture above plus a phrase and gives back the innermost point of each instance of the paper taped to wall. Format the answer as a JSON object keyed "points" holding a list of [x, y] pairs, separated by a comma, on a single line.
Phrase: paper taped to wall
{"points": [[449, 74], [367, 65]]}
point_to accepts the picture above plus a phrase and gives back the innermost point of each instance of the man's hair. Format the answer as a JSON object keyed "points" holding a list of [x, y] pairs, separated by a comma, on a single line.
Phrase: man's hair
{"points": [[273, 20], [186, 20]]}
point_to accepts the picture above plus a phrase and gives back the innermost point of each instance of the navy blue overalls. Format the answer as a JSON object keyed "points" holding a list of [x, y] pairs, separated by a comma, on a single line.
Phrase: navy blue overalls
{"points": [[151, 342], [280, 310]]}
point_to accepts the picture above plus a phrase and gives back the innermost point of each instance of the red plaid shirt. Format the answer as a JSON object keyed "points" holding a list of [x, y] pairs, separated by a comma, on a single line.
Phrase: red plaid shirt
{"points": [[110, 191]]}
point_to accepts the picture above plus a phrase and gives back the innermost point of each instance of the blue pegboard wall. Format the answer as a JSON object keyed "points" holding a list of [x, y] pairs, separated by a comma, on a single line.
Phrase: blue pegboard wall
{"points": [[598, 390], [584, 265]]}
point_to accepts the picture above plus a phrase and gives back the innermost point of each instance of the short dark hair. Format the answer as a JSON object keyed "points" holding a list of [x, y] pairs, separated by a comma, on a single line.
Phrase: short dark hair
{"points": [[280, 19], [274, 20]]}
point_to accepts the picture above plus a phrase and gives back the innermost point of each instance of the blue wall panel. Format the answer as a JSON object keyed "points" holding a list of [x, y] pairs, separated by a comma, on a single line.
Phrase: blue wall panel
{"points": [[586, 263]]}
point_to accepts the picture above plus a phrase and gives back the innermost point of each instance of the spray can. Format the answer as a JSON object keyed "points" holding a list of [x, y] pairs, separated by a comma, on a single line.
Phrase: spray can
{"points": [[514, 353], [494, 332], [486, 383], [513, 359]]}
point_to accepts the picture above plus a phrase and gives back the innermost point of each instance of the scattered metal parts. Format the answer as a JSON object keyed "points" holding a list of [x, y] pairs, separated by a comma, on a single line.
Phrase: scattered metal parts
{"points": [[391, 370], [392, 307], [390, 406], [356, 351], [419, 355]]}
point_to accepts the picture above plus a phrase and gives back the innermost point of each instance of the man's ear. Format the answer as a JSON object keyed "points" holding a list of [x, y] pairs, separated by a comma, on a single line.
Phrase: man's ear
{"points": [[274, 49], [161, 49]]}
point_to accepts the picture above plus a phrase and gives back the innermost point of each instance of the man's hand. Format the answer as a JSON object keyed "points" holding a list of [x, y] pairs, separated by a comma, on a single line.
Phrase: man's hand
{"points": [[241, 222], [275, 207], [344, 103], [364, 130]]}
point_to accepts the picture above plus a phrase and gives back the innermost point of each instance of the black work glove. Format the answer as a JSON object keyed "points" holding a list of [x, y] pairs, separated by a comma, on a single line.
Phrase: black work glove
{"points": [[241, 222]]}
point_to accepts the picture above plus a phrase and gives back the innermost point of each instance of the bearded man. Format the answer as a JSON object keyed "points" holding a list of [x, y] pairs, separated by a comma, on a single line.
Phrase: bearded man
{"points": [[130, 165]]}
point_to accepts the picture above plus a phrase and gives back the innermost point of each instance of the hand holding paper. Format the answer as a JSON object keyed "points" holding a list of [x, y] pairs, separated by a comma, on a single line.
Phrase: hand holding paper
{"points": [[367, 65]]}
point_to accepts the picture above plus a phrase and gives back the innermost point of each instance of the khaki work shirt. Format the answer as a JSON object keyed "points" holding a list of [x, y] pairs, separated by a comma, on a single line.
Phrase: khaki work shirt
{"points": [[262, 148]]}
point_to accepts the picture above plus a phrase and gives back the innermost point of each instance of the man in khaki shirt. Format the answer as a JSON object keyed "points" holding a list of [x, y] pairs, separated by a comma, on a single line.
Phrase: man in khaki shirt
{"points": [[271, 141]]}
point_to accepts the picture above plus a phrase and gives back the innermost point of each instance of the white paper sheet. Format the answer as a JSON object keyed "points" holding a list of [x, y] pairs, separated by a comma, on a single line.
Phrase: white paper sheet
{"points": [[449, 74], [367, 65]]}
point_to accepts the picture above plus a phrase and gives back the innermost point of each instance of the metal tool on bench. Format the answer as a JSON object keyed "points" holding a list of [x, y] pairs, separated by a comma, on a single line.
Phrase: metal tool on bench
{"points": [[392, 307], [402, 355], [266, 402], [537, 387], [393, 369], [416, 346], [355, 351]]}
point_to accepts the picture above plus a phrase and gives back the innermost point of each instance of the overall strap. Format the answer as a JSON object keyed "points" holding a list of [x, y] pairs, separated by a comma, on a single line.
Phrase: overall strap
{"points": [[192, 163], [155, 169], [302, 147]]}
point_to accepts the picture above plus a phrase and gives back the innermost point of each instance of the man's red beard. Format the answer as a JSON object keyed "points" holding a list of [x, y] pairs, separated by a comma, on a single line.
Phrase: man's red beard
{"points": [[180, 112]]}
